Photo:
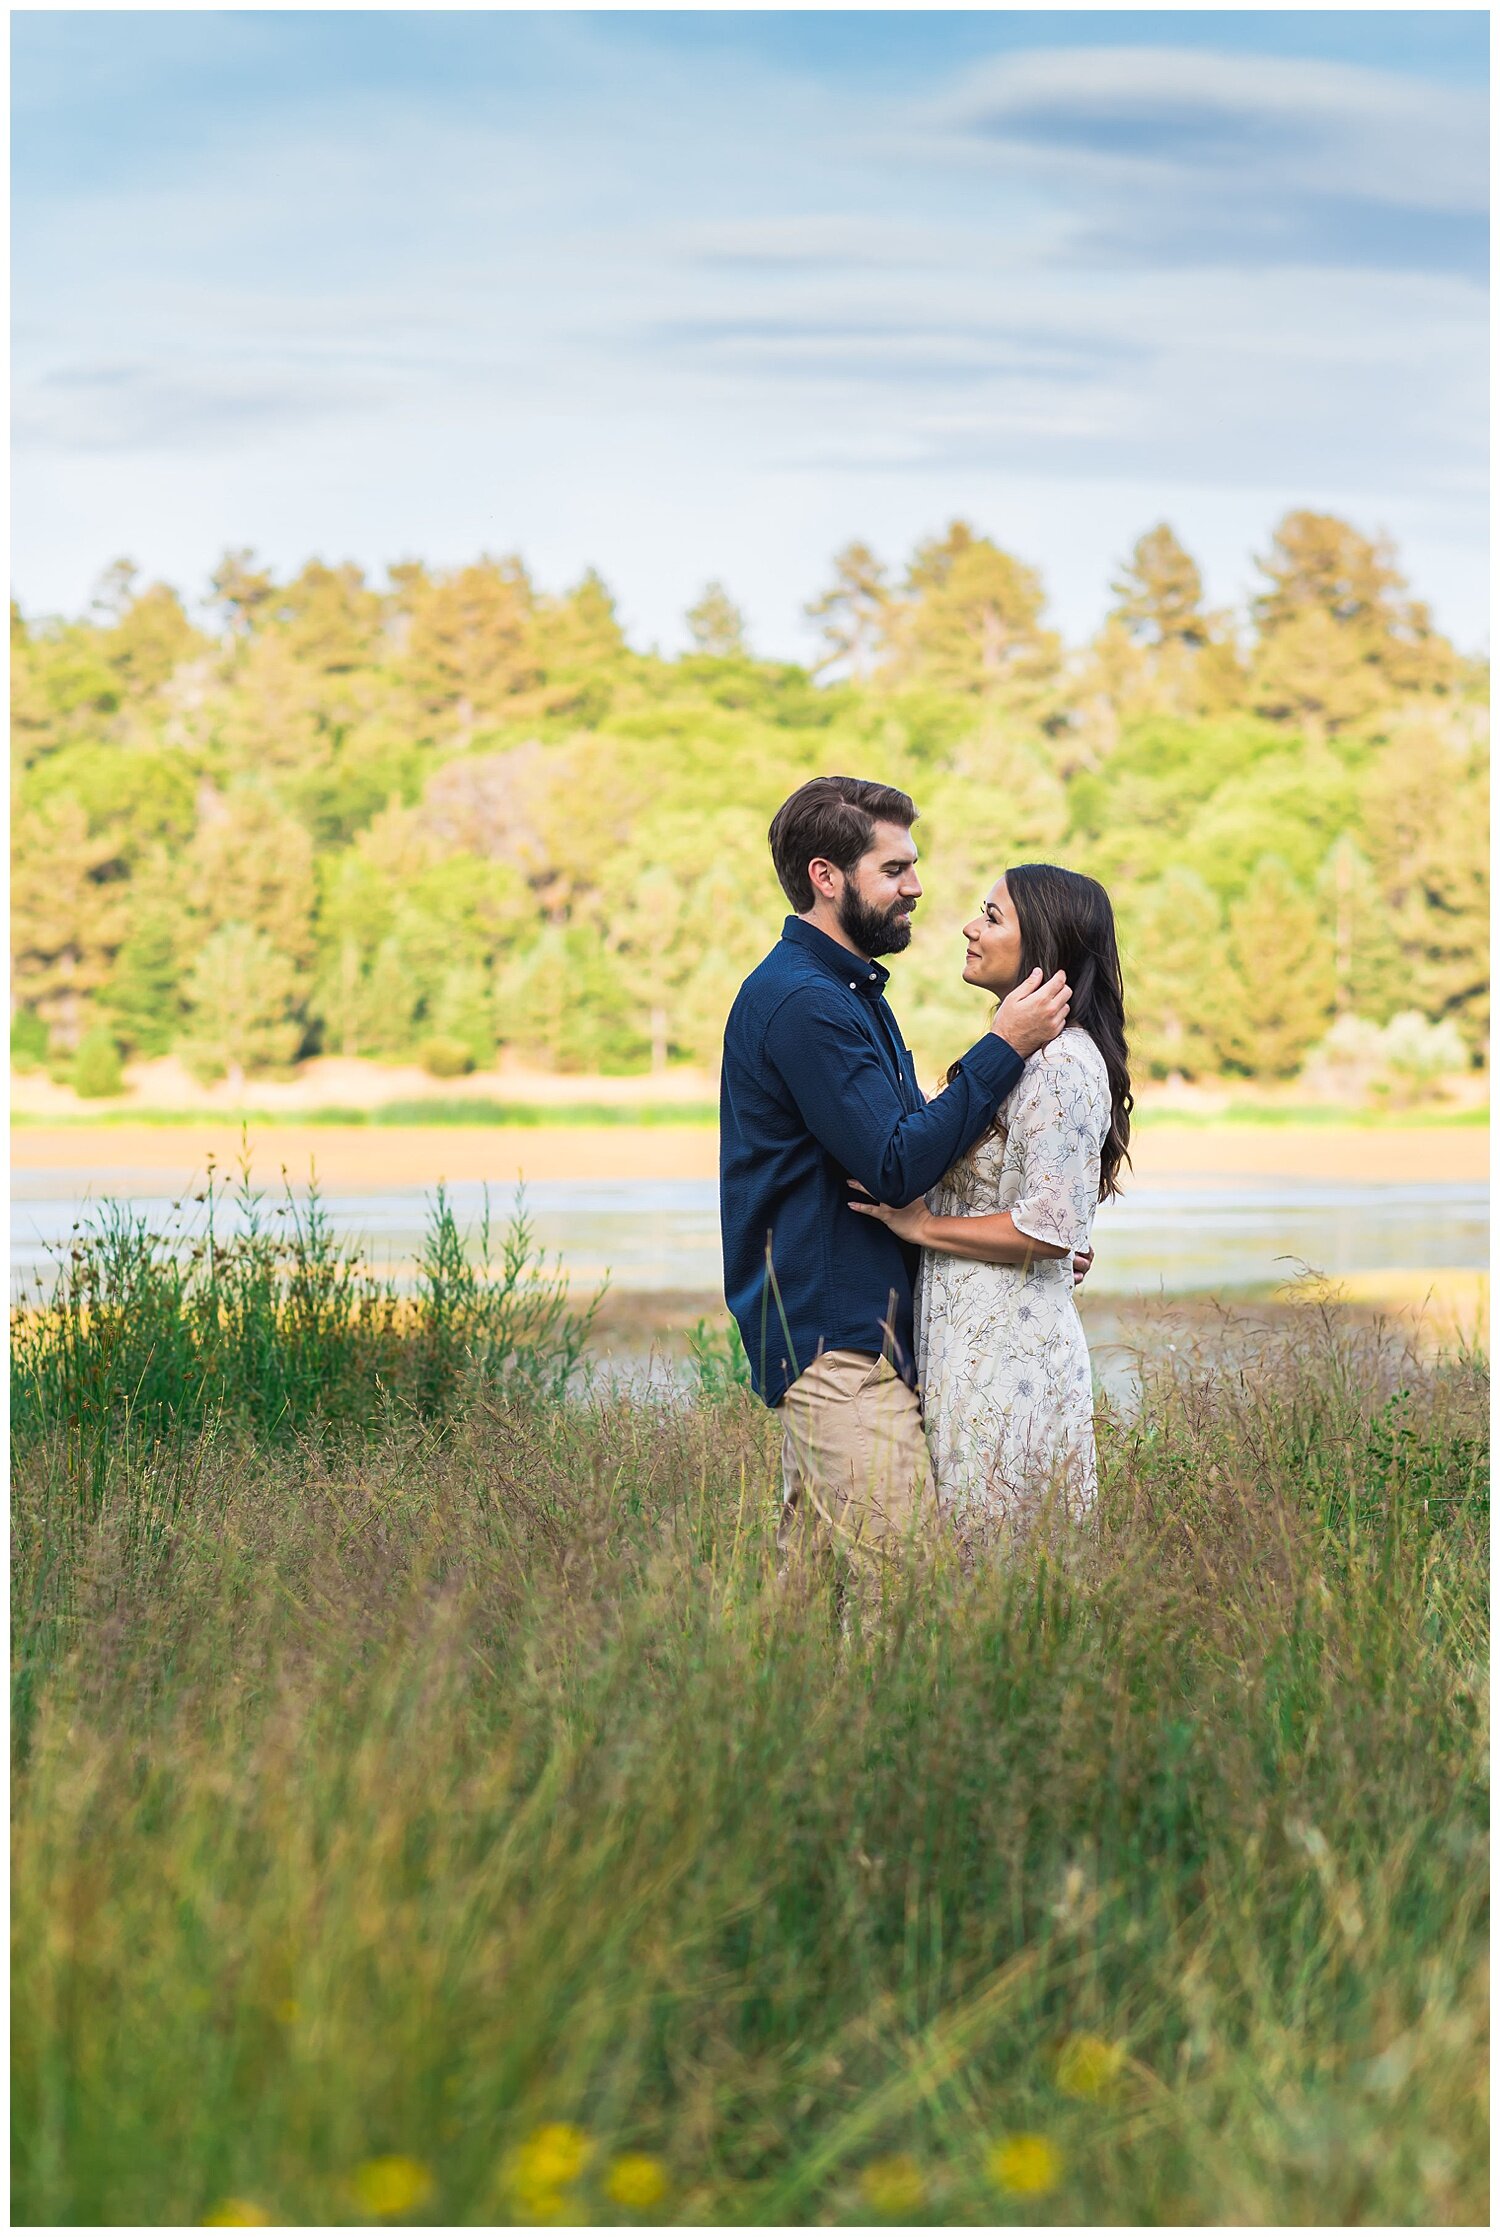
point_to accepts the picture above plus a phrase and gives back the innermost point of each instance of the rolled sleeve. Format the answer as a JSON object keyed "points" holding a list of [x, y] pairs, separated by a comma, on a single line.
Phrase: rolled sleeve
{"points": [[1060, 1161], [850, 1102]]}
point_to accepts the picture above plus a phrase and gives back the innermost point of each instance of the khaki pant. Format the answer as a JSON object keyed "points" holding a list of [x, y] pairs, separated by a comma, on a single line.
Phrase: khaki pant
{"points": [[857, 1482]]}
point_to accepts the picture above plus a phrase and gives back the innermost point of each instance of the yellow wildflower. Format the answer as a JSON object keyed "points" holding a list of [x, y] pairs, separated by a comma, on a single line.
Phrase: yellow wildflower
{"points": [[549, 2208], [239, 2213], [1088, 2066], [553, 2155], [392, 2185], [893, 2187], [636, 2181], [538, 2172], [1026, 2166]]}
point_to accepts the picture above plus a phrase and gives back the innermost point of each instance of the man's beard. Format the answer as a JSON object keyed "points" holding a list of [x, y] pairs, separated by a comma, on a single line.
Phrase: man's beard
{"points": [[874, 931]]}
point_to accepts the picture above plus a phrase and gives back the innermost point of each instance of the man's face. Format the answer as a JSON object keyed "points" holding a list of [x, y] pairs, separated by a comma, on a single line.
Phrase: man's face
{"points": [[880, 892]]}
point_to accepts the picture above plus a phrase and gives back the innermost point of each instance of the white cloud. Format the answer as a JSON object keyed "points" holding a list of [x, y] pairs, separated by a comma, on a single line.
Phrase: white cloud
{"points": [[1153, 114], [683, 325]]}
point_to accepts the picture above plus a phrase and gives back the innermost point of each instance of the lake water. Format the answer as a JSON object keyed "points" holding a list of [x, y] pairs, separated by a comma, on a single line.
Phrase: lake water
{"points": [[655, 1235]]}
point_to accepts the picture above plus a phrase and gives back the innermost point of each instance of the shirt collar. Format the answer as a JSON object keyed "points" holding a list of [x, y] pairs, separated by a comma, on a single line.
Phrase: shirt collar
{"points": [[858, 972]]}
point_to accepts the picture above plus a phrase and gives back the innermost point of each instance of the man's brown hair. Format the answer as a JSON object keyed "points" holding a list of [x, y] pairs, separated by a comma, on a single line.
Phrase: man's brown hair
{"points": [[834, 817]]}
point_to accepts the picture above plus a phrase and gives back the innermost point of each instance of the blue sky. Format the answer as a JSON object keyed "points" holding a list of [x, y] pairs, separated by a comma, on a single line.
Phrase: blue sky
{"points": [[683, 296]]}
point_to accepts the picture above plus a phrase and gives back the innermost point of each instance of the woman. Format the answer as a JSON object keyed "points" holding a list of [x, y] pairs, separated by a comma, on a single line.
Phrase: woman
{"points": [[1001, 1354]]}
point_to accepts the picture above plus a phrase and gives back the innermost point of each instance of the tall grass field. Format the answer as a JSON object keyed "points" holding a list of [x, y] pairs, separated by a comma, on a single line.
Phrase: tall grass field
{"points": [[430, 1807]]}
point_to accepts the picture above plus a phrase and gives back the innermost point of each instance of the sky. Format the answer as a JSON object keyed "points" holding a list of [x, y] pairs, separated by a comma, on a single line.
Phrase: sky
{"points": [[706, 295]]}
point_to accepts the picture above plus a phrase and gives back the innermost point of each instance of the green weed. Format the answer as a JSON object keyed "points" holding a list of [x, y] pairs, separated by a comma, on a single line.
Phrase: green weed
{"points": [[271, 1323]]}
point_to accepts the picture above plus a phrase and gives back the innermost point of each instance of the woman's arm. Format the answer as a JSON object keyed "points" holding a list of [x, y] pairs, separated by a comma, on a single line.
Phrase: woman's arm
{"points": [[1059, 1180], [991, 1237]]}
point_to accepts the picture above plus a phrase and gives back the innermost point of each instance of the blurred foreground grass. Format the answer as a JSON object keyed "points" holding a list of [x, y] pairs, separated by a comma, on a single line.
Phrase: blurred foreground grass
{"points": [[442, 1815]]}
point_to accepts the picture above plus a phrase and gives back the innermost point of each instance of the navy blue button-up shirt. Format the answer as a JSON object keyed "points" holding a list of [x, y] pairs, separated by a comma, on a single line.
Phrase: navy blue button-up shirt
{"points": [[818, 1085]]}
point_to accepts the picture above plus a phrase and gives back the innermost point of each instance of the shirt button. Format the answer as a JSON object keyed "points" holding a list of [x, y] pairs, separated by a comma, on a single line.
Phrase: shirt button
{"points": [[853, 986]]}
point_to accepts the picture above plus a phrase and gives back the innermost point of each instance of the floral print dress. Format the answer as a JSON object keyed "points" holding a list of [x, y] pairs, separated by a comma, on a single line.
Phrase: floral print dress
{"points": [[1001, 1355]]}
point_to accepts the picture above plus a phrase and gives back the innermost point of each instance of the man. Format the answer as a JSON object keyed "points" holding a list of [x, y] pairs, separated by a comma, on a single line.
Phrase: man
{"points": [[819, 1088]]}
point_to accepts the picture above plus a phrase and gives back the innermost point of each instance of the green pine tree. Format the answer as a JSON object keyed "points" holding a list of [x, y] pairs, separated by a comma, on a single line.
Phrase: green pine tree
{"points": [[559, 1003], [853, 612], [1334, 604], [388, 1009], [972, 622], [143, 999], [1281, 976], [29, 1041], [1176, 975], [716, 625], [69, 911], [1159, 592], [463, 1010], [240, 998], [471, 657], [1425, 807], [1368, 974]]}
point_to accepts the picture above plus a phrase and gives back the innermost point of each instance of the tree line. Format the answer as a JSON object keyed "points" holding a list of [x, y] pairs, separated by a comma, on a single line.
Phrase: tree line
{"points": [[453, 813]]}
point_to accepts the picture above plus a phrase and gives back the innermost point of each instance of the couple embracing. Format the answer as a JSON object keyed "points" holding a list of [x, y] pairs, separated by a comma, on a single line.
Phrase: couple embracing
{"points": [[902, 1270]]}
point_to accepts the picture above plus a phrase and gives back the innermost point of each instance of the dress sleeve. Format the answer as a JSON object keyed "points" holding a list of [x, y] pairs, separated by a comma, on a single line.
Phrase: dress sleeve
{"points": [[1061, 1128]]}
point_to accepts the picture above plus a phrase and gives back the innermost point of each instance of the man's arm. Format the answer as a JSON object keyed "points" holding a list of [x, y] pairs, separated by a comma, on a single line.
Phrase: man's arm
{"points": [[992, 1238], [849, 1101]]}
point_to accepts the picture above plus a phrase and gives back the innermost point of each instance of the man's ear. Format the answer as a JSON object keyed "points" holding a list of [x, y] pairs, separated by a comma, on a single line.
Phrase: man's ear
{"points": [[822, 875]]}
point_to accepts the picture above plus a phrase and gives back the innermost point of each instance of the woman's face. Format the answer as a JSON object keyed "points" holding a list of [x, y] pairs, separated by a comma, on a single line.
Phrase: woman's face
{"points": [[994, 937]]}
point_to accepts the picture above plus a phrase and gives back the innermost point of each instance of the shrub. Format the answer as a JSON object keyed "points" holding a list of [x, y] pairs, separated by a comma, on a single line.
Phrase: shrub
{"points": [[1400, 1063], [278, 1328], [96, 1067], [446, 1058], [1419, 1051]]}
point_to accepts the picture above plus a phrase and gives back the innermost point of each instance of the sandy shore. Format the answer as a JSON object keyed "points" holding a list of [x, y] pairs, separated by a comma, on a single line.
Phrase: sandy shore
{"points": [[165, 1084], [395, 1157]]}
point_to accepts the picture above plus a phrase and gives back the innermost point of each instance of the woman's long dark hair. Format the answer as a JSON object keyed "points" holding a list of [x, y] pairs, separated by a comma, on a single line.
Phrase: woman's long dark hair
{"points": [[1067, 925]]}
